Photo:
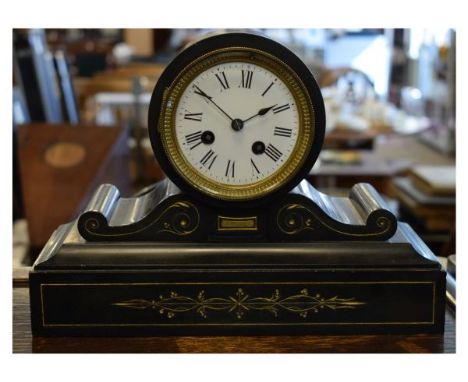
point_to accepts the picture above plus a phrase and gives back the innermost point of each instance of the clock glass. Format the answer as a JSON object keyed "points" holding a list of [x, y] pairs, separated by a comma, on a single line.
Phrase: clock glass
{"points": [[237, 124]]}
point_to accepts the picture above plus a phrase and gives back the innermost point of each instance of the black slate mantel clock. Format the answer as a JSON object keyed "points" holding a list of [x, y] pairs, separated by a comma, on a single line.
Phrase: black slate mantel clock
{"points": [[235, 241]]}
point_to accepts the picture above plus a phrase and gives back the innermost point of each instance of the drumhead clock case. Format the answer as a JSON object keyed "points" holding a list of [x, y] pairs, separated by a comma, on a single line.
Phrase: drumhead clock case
{"points": [[236, 119]]}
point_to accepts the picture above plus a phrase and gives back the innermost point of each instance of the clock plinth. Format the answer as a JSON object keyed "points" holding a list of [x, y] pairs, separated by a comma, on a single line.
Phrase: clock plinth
{"points": [[164, 213], [177, 268]]}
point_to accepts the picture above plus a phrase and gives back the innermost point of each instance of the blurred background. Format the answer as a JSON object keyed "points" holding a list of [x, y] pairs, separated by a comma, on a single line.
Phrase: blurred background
{"points": [[80, 102]]}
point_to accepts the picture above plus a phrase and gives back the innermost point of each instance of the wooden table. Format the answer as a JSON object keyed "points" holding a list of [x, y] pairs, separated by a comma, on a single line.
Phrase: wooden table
{"points": [[23, 342]]}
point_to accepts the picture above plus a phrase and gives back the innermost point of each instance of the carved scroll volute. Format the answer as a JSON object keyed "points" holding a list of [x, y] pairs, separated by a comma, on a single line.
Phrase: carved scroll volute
{"points": [[178, 219], [308, 222], [295, 218]]}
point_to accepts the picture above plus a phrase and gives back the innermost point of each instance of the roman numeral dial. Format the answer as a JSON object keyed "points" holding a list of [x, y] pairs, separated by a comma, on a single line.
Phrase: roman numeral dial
{"points": [[281, 108], [254, 168], [273, 153], [268, 88], [230, 168], [246, 81], [222, 80], [283, 132], [197, 117], [237, 124], [208, 159], [193, 139]]}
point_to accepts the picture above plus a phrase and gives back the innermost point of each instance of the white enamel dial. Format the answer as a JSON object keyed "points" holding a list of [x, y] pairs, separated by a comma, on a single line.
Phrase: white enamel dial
{"points": [[236, 123]]}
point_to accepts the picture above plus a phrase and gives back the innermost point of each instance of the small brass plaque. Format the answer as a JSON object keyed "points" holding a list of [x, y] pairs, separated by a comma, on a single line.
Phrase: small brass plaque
{"points": [[248, 223]]}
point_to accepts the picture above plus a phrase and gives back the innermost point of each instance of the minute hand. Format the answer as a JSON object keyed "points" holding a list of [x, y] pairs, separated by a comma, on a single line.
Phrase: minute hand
{"points": [[260, 113], [209, 98]]}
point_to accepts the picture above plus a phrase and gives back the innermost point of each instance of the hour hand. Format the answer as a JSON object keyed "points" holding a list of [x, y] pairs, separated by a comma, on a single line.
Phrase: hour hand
{"points": [[260, 112]]}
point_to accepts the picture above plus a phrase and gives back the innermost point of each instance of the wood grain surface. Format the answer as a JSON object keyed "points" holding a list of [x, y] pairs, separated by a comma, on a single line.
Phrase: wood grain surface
{"points": [[23, 342], [57, 182]]}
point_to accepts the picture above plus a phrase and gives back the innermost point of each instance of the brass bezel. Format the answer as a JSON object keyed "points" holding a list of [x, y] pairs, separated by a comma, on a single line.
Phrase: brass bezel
{"points": [[267, 185]]}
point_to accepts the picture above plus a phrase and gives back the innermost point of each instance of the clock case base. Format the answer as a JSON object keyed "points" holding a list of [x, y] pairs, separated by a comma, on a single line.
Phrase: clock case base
{"points": [[164, 213], [80, 287]]}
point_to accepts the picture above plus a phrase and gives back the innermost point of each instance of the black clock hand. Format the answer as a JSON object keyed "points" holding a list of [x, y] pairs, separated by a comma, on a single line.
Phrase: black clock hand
{"points": [[260, 113], [203, 94]]}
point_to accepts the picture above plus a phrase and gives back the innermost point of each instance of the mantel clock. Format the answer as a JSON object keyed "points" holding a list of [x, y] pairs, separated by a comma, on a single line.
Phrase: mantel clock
{"points": [[235, 241]]}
